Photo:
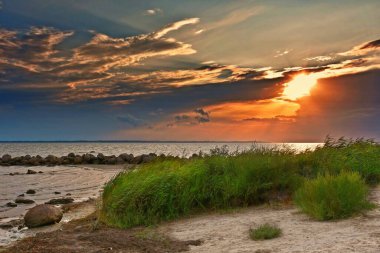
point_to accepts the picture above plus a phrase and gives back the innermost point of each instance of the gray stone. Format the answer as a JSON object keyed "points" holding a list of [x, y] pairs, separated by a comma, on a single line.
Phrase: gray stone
{"points": [[42, 215]]}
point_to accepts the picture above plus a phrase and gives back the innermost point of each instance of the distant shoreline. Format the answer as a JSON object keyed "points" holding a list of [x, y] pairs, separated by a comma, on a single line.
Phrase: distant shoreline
{"points": [[141, 141]]}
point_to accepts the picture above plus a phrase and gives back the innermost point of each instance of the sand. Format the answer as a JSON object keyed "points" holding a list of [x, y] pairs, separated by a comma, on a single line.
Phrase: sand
{"points": [[229, 232], [226, 232]]}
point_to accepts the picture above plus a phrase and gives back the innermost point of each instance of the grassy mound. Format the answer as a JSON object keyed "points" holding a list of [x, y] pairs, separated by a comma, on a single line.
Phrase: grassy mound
{"points": [[265, 232], [333, 197], [169, 188]]}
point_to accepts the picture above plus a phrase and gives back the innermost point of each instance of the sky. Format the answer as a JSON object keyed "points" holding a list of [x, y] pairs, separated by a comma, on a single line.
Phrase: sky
{"points": [[178, 70]]}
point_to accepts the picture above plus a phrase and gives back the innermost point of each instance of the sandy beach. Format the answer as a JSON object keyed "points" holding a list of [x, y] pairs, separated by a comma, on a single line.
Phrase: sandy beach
{"points": [[229, 232], [77, 182], [214, 232]]}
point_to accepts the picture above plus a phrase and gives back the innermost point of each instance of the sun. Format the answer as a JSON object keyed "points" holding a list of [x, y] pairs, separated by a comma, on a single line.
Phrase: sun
{"points": [[299, 86]]}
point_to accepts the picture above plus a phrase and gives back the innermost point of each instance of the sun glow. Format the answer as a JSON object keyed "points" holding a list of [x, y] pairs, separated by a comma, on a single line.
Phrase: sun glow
{"points": [[299, 87]]}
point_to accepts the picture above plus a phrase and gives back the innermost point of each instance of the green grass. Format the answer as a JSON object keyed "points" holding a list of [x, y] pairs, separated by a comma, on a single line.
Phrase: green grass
{"points": [[169, 188], [333, 197], [265, 232]]}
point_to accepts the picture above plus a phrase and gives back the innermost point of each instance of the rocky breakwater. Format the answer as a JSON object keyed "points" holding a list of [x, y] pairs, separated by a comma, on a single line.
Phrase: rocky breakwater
{"points": [[73, 159]]}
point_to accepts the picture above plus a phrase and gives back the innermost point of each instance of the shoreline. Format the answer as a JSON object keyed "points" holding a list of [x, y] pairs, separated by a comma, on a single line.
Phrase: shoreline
{"points": [[77, 184], [74, 159], [212, 232]]}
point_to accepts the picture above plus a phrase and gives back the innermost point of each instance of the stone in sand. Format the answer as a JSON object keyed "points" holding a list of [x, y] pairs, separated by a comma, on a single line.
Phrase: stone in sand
{"points": [[11, 204], [31, 191], [42, 215], [31, 172], [22, 200], [60, 201]]}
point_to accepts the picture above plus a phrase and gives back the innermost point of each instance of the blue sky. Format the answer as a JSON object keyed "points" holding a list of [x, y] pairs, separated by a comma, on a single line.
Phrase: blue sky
{"points": [[189, 70]]}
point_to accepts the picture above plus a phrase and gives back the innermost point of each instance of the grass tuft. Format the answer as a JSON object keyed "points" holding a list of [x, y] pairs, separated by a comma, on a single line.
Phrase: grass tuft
{"points": [[265, 232], [330, 197]]}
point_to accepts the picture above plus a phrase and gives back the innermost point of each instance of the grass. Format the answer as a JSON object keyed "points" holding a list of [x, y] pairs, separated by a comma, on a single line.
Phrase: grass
{"points": [[333, 197], [169, 188], [265, 232]]}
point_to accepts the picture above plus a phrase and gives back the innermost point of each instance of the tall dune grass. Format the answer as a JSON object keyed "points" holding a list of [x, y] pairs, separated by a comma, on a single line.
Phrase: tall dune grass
{"points": [[170, 188]]}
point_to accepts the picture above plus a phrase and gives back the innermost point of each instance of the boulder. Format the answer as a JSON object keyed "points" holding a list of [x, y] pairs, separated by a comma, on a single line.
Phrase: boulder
{"points": [[78, 160], [50, 159], [88, 158], [29, 172], [31, 191], [59, 201], [126, 157], [101, 158], [137, 159], [22, 200], [42, 215], [148, 158], [6, 158]]}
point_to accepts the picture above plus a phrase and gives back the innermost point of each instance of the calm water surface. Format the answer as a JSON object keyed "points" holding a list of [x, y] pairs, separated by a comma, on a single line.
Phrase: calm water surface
{"points": [[112, 148]]}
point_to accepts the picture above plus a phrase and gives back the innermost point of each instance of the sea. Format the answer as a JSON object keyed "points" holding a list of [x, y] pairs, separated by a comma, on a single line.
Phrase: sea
{"points": [[182, 149], [82, 182]]}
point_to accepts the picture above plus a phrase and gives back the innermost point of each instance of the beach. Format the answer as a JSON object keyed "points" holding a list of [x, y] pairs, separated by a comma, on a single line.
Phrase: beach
{"points": [[214, 232], [79, 183]]}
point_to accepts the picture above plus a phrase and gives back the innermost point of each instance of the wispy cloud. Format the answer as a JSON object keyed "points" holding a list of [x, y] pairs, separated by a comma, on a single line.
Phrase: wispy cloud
{"points": [[152, 12]]}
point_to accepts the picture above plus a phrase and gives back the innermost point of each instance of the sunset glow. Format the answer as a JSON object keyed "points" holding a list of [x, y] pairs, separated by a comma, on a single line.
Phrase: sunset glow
{"points": [[189, 70], [299, 86]]}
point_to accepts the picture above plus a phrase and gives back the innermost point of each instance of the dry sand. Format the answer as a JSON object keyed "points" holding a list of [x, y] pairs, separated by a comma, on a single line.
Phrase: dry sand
{"points": [[229, 232]]}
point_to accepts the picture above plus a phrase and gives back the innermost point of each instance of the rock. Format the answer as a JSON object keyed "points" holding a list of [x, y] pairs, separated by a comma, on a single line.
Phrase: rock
{"points": [[88, 158], [21, 195], [33, 161], [60, 201], [11, 204], [40, 172], [68, 194], [31, 191], [22, 200], [51, 160], [11, 224], [6, 158], [57, 192], [110, 160], [126, 157], [147, 158], [78, 160], [42, 215], [137, 160], [101, 157], [71, 155], [29, 172]]}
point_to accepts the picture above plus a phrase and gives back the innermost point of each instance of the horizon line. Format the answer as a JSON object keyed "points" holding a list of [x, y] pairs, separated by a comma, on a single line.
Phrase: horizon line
{"points": [[147, 141]]}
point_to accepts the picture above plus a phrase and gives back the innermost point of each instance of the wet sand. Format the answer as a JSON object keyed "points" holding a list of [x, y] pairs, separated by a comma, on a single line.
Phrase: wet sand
{"points": [[77, 182]]}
